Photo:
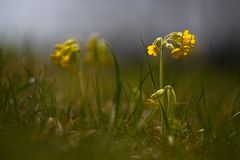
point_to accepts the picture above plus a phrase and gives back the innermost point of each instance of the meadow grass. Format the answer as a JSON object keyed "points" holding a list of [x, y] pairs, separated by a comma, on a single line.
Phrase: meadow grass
{"points": [[47, 113]]}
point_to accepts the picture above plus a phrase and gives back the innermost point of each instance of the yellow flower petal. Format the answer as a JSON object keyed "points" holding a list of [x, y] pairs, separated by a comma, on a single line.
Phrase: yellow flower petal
{"points": [[176, 50], [153, 50], [65, 61], [186, 31], [188, 39]]}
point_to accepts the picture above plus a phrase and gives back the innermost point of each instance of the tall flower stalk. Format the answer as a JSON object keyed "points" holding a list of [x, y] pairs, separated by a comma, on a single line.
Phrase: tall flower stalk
{"points": [[161, 68], [67, 56], [180, 44]]}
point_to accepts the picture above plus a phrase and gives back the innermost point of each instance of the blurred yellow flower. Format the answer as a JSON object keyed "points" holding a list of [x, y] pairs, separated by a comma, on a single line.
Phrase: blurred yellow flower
{"points": [[66, 54], [57, 55], [65, 60], [153, 50], [97, 52]]}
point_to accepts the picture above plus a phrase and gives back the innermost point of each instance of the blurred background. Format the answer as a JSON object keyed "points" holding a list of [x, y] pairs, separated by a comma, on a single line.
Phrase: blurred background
{"points": [[123, 23]]}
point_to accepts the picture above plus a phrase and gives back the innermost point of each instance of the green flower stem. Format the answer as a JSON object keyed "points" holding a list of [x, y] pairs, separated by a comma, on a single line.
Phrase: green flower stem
{"points": [[161, 68], [161, 86]]}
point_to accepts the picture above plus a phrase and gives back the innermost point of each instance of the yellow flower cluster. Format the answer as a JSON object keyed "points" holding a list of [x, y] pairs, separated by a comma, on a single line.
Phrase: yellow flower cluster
{"points": [[184, 43], [98, 52], [179, 43], [66, 54]]}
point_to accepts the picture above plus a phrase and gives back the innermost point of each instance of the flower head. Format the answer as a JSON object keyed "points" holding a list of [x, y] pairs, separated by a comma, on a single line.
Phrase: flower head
{"points": [[188, 39], [153, 50], [66, 54], [182, 43], [97, 52]]}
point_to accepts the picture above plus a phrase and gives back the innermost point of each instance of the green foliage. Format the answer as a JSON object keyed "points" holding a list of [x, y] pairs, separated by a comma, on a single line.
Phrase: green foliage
{"points": [[47, 114]]}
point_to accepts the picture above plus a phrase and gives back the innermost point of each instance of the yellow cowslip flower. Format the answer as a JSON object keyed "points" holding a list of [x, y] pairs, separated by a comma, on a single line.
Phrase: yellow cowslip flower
{"points": [[57, 55], [153, 50], [65, 60], [177, 52], [97, 52], [188, 39], [183, 43], [180, 44], [66, 54]]}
